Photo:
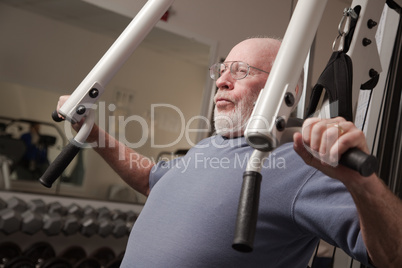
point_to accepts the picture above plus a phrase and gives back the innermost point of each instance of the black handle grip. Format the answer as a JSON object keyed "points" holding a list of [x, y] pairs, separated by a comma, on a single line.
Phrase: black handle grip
{"points": [[59, 165], [56, 117], [247, 212], [359, 161]]}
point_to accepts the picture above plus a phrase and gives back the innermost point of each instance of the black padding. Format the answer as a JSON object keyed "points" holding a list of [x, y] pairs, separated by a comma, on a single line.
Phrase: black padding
{"points": [[359, 161], [59, 165], [247, 212]]}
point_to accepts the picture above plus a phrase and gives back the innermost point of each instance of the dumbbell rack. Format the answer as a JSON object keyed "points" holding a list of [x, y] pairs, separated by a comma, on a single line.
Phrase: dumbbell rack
{"points": [[60, 224]]}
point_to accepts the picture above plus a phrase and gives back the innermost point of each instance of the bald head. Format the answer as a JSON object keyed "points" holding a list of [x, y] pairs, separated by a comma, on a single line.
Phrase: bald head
{"points": [[258, 52]]}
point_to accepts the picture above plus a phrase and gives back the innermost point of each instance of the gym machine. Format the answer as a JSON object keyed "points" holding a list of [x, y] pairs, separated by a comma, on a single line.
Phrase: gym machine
{"points": [[269, 119], [82, 101], [268, 122]]}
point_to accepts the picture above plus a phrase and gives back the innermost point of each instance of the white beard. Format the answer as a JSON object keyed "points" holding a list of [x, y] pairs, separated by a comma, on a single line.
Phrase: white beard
{"points": [[233, 123]]}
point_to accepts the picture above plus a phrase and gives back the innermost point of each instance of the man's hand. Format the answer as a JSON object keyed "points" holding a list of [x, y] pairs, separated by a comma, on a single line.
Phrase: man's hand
{"points": [[93, 136], [323, 141], [62, 100]]}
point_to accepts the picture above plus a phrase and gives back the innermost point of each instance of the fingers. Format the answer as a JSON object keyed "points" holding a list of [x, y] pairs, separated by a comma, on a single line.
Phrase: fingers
{"points": [[301, 149], [328, 139], [62, 100], [329, 144]]}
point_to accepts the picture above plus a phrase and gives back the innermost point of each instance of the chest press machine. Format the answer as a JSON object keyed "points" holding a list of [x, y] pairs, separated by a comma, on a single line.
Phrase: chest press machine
{"points": [[354, 50]]}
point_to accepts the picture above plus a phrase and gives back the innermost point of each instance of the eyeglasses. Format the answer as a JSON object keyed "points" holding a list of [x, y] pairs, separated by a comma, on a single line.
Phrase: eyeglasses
{"points": [[238, 69]]}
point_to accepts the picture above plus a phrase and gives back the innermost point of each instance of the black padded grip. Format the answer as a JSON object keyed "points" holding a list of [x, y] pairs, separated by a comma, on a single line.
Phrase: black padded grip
{"points": [[247, 212], [359, 161], [56, 117], [59, 165]]}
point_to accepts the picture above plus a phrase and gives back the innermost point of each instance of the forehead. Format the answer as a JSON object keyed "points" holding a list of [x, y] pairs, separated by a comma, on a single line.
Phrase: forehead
{"points": [[241, 54], [256, 52]]}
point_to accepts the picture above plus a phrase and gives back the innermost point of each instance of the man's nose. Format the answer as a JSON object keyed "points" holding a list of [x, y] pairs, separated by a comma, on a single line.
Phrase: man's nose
{"points": [[225, 81]]}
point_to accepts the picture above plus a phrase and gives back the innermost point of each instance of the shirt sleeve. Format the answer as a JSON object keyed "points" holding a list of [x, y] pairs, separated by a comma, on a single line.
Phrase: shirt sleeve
{"points": [[326, 209], [160, 169]]}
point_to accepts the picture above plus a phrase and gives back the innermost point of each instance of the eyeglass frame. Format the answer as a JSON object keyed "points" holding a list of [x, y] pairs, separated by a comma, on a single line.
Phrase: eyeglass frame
{"points": [[211, 74]]}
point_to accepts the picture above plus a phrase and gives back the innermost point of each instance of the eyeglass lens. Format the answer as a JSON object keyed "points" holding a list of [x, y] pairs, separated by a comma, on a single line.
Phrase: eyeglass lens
{"points": [[238, 70]]}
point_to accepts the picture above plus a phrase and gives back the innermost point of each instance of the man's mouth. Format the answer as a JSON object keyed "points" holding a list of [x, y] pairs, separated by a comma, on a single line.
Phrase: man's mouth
{"points": [[222, 102]]}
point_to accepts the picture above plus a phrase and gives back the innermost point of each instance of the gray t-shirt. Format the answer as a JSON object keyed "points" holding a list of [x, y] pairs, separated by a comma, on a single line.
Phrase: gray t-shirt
{"points": [[189, 217]]}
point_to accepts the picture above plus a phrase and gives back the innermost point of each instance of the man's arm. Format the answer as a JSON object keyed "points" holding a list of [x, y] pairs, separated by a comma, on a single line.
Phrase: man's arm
{"points": [[131, 166], [380, 211]]}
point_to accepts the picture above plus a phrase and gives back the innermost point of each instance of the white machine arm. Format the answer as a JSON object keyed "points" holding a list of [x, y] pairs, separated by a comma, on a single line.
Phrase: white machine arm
{"points": [[81, 101], [90, 89], [279, 97]]}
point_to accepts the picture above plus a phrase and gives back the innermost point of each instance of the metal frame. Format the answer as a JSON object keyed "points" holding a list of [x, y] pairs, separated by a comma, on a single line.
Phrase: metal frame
{"points": [[273, 107]]}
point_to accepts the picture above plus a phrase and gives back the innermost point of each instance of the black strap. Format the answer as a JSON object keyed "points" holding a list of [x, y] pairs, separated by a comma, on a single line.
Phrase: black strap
{"points": [[336, 79]]}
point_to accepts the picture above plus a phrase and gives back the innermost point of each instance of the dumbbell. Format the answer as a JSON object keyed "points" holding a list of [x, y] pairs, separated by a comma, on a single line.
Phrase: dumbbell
{"points": [[56, 262], [20, 262], [8, 251], [17, 204], [131, 217], [105, 224], [10, 215], [56, 207], [32, 218], [124, 222], [22, 216], [88, 262], [39, 252], [116, 262], [73, 254], [104, 255], [72, 220], [118, 214], [89, 223], [113, 222], [101, 221], [59, 219]]}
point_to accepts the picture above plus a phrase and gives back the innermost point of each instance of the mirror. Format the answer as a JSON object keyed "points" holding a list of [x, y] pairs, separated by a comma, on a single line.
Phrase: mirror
{"points": [[153, 104]]}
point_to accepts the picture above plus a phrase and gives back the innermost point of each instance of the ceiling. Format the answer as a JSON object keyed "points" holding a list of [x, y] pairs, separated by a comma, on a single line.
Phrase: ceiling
{"points": [[75, 12], [101, 21]]}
